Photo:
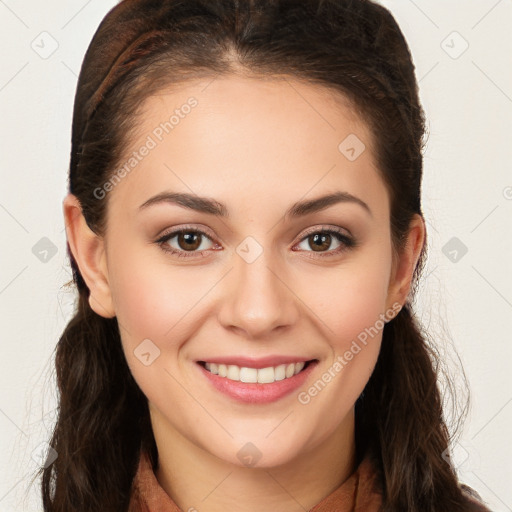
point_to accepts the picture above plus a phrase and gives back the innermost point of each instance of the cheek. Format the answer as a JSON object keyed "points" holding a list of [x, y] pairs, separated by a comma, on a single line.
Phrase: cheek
{"points": [[350, 305], [151, 299], [350, 298], [154, 306], [352, 317], [160, 303]]}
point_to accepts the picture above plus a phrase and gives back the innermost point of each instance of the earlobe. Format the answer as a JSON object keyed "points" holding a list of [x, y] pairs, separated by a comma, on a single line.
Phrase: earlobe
{"points": [[401, 280], [88, 249]]}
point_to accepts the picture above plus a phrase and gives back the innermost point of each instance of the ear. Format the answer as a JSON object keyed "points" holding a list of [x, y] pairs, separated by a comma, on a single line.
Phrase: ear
{"points": [[88, 249], [405, 263]]}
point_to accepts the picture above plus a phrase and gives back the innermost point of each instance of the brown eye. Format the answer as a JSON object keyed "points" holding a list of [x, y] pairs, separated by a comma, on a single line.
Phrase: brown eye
{"points": [[189, 241], [186, 242], [319, 241]]}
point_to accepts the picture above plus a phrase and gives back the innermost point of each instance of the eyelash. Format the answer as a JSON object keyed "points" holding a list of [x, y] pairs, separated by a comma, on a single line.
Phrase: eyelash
{"points": [[346, 241]]}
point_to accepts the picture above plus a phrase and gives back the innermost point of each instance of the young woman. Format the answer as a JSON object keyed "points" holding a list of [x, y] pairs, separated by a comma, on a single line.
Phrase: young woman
{"points": [[245, 231]]}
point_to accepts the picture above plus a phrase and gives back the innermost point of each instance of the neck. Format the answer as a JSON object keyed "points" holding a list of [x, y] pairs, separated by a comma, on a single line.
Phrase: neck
{"points": [[197, 480]]}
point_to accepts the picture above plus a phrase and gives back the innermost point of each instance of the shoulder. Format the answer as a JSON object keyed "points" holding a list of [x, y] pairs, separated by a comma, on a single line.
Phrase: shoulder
{"points": [[475, 501]]}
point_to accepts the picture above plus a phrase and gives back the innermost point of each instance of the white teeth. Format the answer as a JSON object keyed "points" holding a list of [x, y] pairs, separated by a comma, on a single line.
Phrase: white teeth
{"points": [[299, 366], [253, 375], [280, 372], [233, 372], [248, 375], [266, 375]]}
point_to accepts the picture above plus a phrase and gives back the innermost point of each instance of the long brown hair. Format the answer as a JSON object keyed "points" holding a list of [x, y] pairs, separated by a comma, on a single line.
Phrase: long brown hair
{"points": [[353, 47]]}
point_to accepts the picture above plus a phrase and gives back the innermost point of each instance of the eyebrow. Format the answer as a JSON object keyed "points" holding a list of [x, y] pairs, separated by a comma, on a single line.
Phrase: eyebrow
{"points": [[213, 207]]}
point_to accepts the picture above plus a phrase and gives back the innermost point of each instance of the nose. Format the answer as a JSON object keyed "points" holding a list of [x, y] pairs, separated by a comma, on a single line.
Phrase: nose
{"points": [[257, 299]]}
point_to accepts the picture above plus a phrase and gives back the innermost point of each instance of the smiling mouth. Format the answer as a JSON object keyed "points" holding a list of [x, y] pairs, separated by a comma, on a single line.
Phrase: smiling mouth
{"points": [[256, 375]]}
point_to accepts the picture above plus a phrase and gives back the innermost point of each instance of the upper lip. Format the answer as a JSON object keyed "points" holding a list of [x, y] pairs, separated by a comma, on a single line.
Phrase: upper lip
{"points": [[253, 362]]}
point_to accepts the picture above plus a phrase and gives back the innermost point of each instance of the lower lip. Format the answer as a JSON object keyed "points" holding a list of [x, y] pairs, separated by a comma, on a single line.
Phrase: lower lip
{"points": [[257, 393]]}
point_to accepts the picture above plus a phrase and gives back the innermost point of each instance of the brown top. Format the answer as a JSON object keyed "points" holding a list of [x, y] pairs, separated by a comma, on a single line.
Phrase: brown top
{"points": [[354, 495], [359, 493]]}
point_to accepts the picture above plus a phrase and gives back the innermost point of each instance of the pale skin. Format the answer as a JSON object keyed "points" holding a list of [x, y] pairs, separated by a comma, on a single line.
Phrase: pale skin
{"points": [[257, 147]]}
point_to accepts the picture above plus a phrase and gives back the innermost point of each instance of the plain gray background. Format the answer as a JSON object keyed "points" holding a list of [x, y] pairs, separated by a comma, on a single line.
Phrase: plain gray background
{"points": [[462, 55]]}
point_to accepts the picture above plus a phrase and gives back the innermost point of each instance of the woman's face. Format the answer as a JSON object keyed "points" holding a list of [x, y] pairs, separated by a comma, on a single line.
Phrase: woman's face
{"points": [[264, 284]]}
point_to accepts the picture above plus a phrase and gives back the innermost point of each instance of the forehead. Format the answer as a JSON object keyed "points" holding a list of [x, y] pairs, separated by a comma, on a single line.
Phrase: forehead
{"points": [[219, 136]]}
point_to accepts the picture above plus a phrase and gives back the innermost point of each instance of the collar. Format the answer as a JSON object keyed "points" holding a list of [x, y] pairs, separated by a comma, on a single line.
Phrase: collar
{"points": [[359, 493]]}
